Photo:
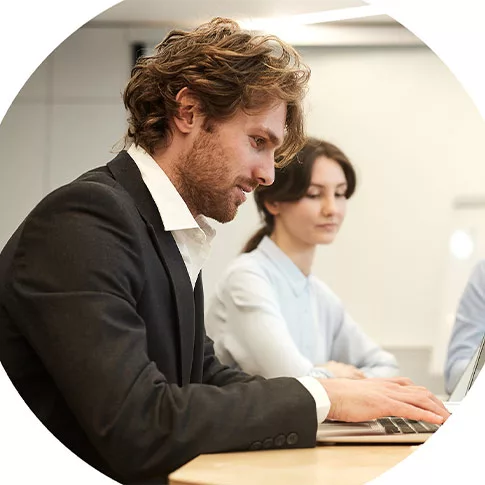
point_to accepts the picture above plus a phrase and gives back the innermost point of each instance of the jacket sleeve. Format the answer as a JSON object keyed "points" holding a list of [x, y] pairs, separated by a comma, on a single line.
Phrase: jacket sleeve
{"points": [[73, 291], [218, 374]]}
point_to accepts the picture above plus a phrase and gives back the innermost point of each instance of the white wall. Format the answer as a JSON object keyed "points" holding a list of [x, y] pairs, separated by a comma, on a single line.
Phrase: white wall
{"points": [[416, 140], [398, 113], [66, 119]]}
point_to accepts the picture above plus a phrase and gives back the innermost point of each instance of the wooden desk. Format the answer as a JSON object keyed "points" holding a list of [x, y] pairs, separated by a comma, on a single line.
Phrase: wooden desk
{"points": [[335, 465]]}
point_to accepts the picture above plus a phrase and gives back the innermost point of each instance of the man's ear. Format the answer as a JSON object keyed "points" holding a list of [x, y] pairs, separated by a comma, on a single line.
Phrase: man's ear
{"points": [[188, 114], [272, 207]]}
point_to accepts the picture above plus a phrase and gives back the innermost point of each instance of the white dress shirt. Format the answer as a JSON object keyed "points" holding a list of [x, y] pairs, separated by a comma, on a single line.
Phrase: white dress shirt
{"points": [[270, 319], [193, 237]]}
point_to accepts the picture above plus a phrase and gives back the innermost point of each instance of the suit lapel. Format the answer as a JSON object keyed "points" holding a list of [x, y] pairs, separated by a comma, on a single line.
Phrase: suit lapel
{"points": [[127, 174], [198, 362]]}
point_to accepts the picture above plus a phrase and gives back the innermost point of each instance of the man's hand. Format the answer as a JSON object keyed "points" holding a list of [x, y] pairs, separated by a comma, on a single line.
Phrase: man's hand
{"points": [[364, 399], [338, 369]]}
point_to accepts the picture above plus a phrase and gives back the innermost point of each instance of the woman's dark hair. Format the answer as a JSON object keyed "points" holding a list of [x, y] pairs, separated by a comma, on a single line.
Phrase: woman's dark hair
{"points": [[292, 182]]}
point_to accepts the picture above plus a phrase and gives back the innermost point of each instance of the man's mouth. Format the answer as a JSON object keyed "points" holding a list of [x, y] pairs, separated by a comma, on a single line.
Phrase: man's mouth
{"points": [[246, 189]]}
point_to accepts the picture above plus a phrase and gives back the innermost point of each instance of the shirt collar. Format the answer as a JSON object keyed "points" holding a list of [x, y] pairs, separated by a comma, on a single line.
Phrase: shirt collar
{"points": [[173, 210], [295, 278]]}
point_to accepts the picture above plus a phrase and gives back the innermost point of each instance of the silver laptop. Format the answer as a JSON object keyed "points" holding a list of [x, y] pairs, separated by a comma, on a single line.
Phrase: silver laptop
{"points": [[395, 429]]}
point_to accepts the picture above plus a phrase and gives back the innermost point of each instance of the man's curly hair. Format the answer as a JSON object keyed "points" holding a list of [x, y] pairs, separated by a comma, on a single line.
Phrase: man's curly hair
{"points": [[226, 68]]}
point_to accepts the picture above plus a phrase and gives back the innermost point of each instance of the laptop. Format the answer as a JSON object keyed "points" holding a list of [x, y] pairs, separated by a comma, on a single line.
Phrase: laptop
{"points": [[467, 379], [400, 430]]}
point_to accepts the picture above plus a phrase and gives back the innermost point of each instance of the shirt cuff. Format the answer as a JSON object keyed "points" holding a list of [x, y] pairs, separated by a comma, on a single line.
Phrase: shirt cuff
{"points": [[319, 394]]}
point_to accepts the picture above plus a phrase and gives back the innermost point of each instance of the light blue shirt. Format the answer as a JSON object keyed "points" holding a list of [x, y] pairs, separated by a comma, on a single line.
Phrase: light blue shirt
{"points": [[468, 329], [270, 319]]}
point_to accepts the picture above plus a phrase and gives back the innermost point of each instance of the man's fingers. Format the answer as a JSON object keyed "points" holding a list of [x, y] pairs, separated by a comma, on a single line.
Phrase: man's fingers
{"points": [[439, 402], [392, 381], [374, 398], [402, 381], [423, 391], [427, 393], [424, 400], [410, 411]]}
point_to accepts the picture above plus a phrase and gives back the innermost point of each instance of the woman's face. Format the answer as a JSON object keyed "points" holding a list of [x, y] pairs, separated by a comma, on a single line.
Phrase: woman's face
{"points": [[317, 217]]}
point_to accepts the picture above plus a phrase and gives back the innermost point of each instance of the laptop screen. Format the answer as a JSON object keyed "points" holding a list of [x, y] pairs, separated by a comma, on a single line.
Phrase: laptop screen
{"points": [[478, 364], [467, 378]]}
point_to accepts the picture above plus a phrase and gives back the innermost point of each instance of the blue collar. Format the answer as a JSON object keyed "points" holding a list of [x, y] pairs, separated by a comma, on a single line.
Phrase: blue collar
{"points": [[293, 275]]}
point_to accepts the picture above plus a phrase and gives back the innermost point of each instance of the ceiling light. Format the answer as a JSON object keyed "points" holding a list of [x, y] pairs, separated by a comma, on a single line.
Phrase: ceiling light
{"points": [[461, 244], [278, 23]]}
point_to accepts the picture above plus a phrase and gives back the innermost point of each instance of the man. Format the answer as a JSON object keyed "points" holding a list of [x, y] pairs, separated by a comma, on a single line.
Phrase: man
{"points": [[468, 329], [101, 299]]}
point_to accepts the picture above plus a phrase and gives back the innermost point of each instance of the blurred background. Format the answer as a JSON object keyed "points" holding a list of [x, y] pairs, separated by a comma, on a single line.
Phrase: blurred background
{"points": [[416, 224]]}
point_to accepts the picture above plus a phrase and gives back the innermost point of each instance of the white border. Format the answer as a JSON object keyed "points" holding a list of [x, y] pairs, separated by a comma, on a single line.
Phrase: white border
{"points": [[31, 29], [454, 31]]}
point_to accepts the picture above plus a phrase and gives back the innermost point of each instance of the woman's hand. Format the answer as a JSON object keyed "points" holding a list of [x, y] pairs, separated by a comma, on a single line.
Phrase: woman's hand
{"points": [[347, 371]]}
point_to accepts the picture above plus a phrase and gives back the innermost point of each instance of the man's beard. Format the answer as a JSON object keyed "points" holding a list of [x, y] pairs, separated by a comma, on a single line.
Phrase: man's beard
{"points": [[203, 179]]}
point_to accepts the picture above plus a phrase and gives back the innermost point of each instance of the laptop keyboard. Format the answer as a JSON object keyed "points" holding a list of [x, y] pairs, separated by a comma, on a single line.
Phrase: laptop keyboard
{"points": [[406, 426]]}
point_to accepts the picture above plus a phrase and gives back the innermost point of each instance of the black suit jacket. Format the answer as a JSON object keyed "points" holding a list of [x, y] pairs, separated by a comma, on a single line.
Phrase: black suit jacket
{"points": [[103, 336]]}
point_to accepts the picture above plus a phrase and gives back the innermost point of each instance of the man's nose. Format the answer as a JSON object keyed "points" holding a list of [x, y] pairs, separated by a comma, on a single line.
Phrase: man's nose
{"points": [[265, 173]]}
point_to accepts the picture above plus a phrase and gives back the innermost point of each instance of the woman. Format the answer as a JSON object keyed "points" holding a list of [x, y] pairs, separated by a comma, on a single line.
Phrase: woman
{"points": [[270, 316]]}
